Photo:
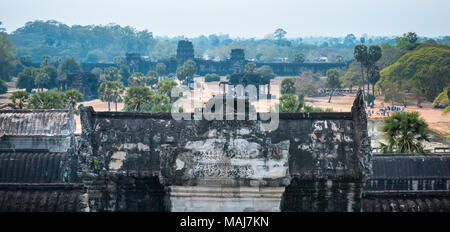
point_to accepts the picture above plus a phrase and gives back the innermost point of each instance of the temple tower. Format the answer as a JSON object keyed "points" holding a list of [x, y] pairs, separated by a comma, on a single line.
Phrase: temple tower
{"points": [[237, 59], [185, 51]]}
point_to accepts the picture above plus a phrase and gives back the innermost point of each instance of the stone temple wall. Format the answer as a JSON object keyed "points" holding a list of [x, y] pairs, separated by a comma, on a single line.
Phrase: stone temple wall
{"points": [[201, 165], [151, 162]]}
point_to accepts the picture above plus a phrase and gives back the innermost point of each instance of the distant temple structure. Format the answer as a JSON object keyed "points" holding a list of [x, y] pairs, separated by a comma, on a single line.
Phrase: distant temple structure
{"points": [[185, 51], [235, 64]]}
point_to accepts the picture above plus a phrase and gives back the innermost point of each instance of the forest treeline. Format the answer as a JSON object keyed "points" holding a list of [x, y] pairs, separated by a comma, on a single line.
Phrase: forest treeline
{"points": [[101, 43]]}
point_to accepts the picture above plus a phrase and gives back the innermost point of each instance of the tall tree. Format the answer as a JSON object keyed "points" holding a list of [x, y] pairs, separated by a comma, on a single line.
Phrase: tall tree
{"points": [[299, 57], [137, 79], [112, 74], [152, 78], [136, 98], [279, 33], [47, 100], [288, 86], [250, 67], [374, 77], [266, 72], [71, 97], [333, 81], [26, 79], [373, 55], [186, 72], [111, 91], [3, 87], [161, 69], [190, 68], [290, 103], [360, 53], [443, 100], [67, 66], [41, 79], [124, 72], [165, 87], [210, 77], [52, 73], [7, 57]]}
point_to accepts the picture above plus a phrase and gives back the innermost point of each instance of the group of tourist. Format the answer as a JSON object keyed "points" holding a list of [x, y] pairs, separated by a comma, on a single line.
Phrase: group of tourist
{"points": [[384, 110]]}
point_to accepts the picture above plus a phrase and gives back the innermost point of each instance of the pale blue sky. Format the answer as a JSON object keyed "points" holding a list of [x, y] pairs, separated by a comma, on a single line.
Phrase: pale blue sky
{"points": [[241, 18]]}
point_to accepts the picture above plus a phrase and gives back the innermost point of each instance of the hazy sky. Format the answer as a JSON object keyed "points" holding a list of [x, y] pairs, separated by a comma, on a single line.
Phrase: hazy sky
{"points": [[241, 18]]}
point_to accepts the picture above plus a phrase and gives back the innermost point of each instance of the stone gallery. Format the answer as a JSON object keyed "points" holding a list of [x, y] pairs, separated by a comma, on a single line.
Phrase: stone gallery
{"points": [[122, 161]]}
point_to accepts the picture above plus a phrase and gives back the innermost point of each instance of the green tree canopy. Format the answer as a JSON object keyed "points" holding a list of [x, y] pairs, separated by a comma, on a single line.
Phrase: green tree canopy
{"points": [[41, 79], [427, 67], [72, 97], [20, 98], [165, 87], [279, 33], [210, 77], [250, 67], [94, 56], [97, 71], [299, 57], [290, 103], [69, 65], [46, 59], [405, 132], [136, 98], [161, 69], [52, 73], [266, 72], [111, 91], [47, 100], [152, 78], [408, 41], [137, 79], [3, 87], [124, 72], [112, 74], [288, 86], [333, 81], [25, 79], [442, 100], [7, 57]]}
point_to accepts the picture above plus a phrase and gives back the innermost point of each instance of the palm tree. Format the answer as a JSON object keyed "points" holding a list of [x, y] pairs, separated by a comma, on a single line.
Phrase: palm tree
{"points": [[136, 98], [373, 55], [117, 91], [19, 98], [111, 91], [288, 86], [41, 79], [360, 54], [443, 100], [405, 133], [72, 96], [290, 103], [106, 92], [333, 81]]}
